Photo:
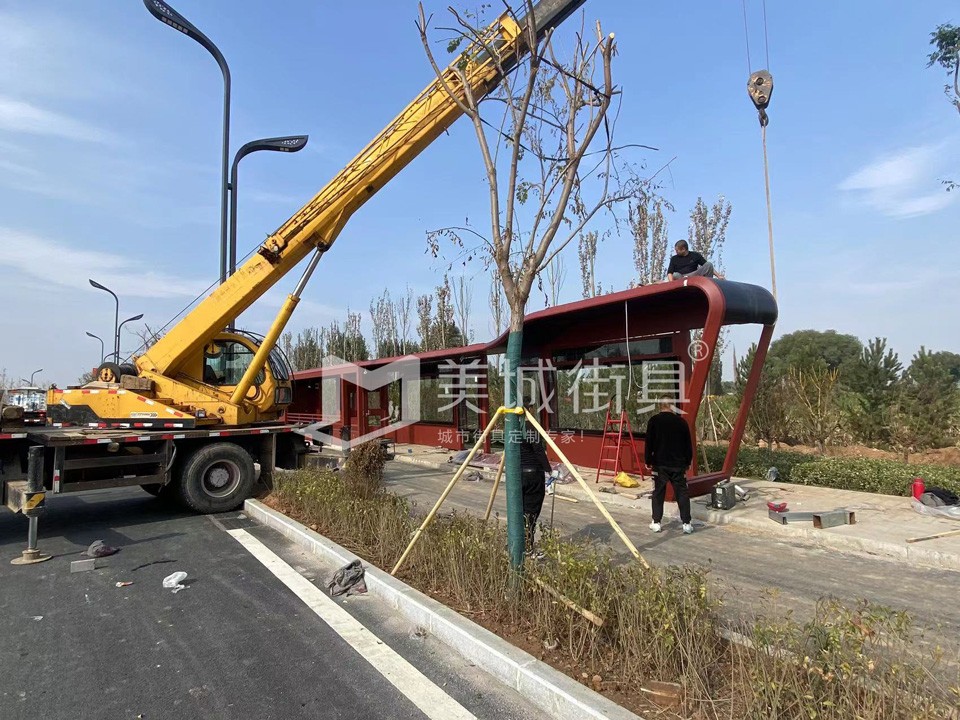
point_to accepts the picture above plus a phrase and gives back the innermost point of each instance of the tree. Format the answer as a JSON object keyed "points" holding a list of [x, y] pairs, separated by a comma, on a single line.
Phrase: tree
{"points": [[307, 350], [874, 377], [708, 229], [928, 405], [540, 199], [347, 342], [819, 403], [807, 349], [404, 311], [587, 252], [648, 225], [707, 234], [946, 40], [462, 302], [769, 418], [556, 273], [383, 320]]}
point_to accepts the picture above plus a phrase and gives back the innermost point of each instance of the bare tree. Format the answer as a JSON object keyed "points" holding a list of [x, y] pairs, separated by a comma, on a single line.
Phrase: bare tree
{"points": [[648, 225], [556, 273], [425, 322], [540, 197], [462, 301], [587, 251], [404, 310], [708, 229], [383, 319], [819, 403]]}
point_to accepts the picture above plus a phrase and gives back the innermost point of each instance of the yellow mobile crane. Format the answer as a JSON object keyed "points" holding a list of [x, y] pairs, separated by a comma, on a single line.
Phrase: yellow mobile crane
{"points": [[204, 376], [195, 411]]}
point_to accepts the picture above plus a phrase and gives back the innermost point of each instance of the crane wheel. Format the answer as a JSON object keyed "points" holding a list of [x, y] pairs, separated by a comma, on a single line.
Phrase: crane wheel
{"points": [[216, 478], [109, 372]]}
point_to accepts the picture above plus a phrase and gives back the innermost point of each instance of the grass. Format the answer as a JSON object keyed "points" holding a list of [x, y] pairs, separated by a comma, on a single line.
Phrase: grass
{"points": [[658, 624]]}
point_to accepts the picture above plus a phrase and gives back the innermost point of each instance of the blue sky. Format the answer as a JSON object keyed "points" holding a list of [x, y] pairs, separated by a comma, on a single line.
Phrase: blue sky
{"points": [[110, 152]]}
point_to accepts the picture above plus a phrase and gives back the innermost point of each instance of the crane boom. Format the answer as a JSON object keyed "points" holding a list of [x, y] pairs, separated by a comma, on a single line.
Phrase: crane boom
{"points": [[318, 223]]}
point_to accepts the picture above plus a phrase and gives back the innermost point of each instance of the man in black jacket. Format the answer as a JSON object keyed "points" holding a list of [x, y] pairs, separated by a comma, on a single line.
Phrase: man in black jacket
{"points": [[688, 263], [668, 451], [534, 467]]}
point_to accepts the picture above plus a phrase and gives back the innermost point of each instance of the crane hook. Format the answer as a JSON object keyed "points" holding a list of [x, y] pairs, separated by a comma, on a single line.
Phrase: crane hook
{"points": [[760, 90]]}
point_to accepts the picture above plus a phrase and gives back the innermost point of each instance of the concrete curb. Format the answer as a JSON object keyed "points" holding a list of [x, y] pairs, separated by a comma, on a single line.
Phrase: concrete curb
{"points": [[550, 690], [827, 539]]}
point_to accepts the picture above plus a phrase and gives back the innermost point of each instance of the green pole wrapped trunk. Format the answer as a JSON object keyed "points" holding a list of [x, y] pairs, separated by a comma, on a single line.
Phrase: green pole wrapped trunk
{"points": [[511, 448]]}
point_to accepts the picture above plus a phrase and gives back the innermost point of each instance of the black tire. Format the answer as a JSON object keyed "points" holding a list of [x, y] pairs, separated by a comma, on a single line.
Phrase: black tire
{"points": [[216, 478], [109, 372]]}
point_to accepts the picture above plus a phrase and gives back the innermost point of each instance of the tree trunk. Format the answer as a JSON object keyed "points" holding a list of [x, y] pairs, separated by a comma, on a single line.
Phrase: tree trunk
{"points": [[511, 445]]}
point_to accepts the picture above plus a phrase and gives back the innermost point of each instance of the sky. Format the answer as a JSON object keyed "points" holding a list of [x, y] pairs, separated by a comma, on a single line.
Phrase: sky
{"points": [[110, 135]]}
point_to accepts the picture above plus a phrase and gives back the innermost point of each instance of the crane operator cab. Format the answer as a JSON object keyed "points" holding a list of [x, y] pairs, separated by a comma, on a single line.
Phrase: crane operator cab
{"points": [[226, 360]]}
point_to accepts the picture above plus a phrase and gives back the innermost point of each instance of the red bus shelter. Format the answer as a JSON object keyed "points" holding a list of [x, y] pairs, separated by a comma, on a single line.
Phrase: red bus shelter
{"points": [[630, 348]]}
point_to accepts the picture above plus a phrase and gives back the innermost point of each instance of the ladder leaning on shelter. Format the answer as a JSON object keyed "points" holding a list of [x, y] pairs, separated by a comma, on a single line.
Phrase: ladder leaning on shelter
{"points": [[614, 430]]}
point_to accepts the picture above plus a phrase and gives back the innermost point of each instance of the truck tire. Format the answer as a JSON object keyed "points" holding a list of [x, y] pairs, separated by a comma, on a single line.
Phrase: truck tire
{"points": [[216, 478]]}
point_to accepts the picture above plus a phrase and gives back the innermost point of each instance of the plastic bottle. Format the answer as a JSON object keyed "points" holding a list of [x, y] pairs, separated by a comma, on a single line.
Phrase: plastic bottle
{"points": [[918, 487]]}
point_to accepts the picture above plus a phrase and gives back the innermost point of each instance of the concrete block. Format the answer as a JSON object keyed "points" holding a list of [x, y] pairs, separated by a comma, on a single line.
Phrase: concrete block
{"points": [[84, 565]]}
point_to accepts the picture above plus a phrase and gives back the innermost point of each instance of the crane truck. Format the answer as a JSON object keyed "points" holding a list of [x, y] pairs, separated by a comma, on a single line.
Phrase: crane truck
{"points": [[193, 414]]}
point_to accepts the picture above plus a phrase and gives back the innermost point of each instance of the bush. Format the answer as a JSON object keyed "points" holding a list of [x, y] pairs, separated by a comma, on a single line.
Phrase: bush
{"points": [[754, 462], [887, 477]]}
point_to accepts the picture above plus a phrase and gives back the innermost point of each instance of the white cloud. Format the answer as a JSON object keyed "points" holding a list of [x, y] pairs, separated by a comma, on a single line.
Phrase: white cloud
{"points": [[905, 183], [32, 256], [23, 117]]}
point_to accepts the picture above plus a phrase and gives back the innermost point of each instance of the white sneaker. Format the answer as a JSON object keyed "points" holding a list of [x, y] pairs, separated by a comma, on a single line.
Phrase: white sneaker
{"points": [[687, 529], [655, 526]]}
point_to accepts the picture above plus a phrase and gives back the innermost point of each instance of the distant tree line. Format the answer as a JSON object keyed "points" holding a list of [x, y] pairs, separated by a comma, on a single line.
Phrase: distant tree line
{"points": [[826, 388]]}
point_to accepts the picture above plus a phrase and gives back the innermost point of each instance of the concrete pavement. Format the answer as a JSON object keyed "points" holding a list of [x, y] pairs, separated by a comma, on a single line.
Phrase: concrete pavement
{"points": [[756, 570], [883, 522]]}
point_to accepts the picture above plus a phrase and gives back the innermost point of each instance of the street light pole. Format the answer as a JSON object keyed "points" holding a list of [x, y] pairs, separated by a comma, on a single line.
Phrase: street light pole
{"points": [[102, 349], [32, 375], [168, 16], [292, 143], [116, 318], [120, 327]]}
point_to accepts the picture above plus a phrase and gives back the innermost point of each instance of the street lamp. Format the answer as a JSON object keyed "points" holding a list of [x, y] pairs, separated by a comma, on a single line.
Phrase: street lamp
{"points": [[116, 318], [32, 375], [167, 15], [292, 143], [120, 327], [102, 350]]}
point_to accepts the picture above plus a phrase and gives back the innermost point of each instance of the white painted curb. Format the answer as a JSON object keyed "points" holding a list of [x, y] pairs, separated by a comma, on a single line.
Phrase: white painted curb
{"points": [[550, 690]]}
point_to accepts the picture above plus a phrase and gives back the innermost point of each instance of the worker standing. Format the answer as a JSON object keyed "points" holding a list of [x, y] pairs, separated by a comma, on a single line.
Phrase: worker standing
{"points": [[668, 451], [534, 468]]}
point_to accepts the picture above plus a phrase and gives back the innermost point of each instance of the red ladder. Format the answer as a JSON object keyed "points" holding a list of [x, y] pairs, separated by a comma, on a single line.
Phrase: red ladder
{"points": [[616, 429]]}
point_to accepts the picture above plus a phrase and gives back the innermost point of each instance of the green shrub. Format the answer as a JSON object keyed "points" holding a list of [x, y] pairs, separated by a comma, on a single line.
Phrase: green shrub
{"points": [[888, 477], [754, 462]]}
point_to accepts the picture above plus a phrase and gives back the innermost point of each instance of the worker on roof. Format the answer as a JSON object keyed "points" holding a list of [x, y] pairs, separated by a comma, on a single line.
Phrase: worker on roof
{"points": [[689, 263]]}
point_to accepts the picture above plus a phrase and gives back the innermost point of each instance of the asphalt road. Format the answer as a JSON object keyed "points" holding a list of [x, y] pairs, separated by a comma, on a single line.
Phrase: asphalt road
{"points": [[756, 572], [235, 643]]}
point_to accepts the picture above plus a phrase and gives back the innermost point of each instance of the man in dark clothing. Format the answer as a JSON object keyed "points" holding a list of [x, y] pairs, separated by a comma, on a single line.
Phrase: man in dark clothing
{"points": [[687, 263], [534, 466], [668, 451]]}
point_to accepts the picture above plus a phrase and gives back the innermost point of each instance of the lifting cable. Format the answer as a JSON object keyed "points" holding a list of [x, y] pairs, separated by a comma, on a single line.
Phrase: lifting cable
{"points": [[760, 90]]}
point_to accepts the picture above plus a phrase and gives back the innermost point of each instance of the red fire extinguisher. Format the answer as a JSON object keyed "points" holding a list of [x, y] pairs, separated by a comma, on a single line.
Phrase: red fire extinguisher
{"points": [[918, 488]]}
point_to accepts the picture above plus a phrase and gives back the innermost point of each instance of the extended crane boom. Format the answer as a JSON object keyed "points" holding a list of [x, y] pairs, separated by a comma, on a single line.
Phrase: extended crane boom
{"points": [[180, 370]]}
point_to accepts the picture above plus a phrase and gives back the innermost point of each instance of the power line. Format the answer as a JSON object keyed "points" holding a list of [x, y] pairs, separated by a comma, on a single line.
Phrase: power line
{"points": [[746, 35]]}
